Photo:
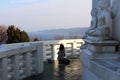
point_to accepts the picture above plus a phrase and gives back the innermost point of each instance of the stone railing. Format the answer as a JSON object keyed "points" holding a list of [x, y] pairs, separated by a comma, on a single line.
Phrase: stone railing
{"points": [[21, 60], [72, 48], [18, 61]]}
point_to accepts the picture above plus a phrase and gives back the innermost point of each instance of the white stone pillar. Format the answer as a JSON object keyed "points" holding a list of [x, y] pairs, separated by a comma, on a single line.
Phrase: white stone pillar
{"points": [[16, 67], [44, 52], [65, 45], [28, 63], [4, 68], [40, 50], [74, 48], [54, 52]]}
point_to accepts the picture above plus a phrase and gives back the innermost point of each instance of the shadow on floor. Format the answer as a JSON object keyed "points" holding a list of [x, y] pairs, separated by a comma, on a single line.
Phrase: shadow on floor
{"points": [[54, 71]]}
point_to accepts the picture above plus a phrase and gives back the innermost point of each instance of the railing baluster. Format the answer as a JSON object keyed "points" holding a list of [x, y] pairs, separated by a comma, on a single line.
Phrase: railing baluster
{"points": [[28, 63], [74, 47], [40, 58], [16, 67], [4, 68], [53, 52]]}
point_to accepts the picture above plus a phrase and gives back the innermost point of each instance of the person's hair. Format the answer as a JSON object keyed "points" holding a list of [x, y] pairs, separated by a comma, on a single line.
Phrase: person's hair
{"points": [[61, 48]]}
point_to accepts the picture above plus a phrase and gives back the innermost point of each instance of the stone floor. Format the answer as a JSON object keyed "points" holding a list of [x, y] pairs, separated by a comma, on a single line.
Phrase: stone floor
{"points": [[54, 71]]}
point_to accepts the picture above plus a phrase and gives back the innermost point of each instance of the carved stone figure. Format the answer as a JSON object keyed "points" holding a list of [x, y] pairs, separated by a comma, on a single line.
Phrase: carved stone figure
{"points": [[93, 22], [104, 22]]}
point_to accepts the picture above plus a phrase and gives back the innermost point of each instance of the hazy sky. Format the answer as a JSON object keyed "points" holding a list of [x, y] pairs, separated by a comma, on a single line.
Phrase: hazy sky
{"points": [[35, 15]]}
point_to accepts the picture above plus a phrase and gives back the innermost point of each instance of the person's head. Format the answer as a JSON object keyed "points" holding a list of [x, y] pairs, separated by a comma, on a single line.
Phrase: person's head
{"points": [[61, 48]]}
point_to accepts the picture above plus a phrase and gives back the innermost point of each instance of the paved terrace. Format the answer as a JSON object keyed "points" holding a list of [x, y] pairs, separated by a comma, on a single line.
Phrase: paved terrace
{"points": [[54, 71]]}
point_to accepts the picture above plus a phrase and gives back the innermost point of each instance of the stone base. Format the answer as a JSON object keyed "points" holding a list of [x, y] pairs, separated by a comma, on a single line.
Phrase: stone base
{"points": [[87, 56], [102, 46], [92, 53], [106, 69], [88, 75], [102, 70], [97, 38]]}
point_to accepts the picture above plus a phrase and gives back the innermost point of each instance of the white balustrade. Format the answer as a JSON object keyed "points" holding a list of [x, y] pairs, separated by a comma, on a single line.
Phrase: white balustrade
{"points": [[72, 48], [18, 61], [21, 60]]}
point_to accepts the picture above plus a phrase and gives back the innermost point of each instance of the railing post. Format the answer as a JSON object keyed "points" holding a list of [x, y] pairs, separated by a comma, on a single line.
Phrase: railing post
{"points": [[16, 65], [4, 67], [28, 63], [44, 52], [53, 52], [40, 50], [74, 47], [65, 45]]}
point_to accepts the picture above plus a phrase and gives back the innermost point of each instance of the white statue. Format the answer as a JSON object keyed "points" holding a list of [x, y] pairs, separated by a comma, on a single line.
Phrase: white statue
{"points": [[93, 22], [104, 22]]}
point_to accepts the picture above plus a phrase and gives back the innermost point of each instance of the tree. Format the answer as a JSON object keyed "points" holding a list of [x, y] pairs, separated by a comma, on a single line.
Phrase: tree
{"points": [[35, 39], [15, 35], [3, 34], [24, 37]]}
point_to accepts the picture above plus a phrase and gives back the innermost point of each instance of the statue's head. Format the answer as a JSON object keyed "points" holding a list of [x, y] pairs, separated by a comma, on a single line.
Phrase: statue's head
{"points": [[94, 12], [104, 4]]}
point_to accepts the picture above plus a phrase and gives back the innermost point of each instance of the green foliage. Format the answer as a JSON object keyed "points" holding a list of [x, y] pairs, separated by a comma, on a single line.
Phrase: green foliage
{"points": [[35, 39], [15, 35]]}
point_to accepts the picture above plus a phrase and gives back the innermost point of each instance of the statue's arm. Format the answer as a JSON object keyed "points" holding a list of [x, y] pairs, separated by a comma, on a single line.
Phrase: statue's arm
{"points": [[95, 23]]}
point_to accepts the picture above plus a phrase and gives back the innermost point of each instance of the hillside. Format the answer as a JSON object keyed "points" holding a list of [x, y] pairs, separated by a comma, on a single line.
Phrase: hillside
{"points": [[50, 34]]}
